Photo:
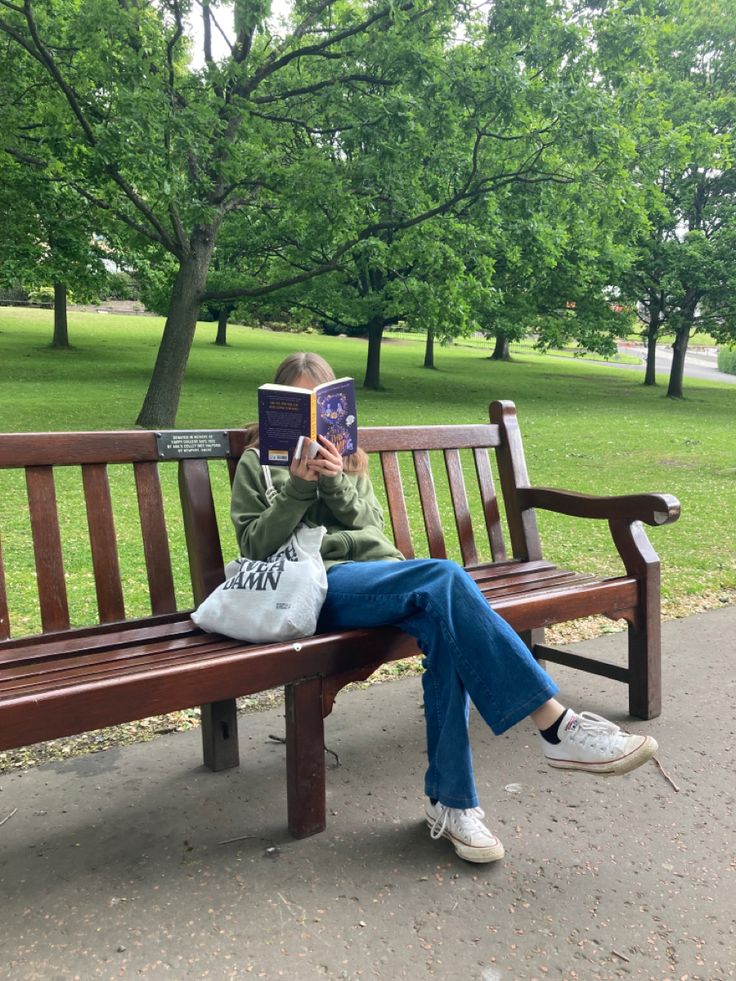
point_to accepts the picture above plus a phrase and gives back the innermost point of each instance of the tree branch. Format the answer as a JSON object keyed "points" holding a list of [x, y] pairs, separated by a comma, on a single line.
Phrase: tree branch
{"points": [[301, 29], [300, 124], [207, 31], [44, 56], [276, 63], [25, 158], [246, 291], [170, 45], [121, 215], [181, 235], [319, 86]]}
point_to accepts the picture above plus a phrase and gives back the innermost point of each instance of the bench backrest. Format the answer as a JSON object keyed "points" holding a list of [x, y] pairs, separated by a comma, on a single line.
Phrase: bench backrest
{"points": [[119, 473]]}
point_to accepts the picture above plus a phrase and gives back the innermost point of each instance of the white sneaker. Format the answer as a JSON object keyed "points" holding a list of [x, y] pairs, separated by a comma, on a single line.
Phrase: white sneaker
{"points": [[465, 829], [589, 742]]}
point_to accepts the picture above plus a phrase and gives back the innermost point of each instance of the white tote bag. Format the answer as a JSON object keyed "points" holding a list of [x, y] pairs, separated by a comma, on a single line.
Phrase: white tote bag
{"points": [[279, 598]]}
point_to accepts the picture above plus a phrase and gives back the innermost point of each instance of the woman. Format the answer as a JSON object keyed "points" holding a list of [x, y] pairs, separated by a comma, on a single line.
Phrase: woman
{"points": [[469, 651]]}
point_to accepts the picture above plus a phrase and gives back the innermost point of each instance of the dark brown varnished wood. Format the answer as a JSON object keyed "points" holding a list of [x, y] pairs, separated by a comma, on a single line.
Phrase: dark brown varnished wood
{"points": [[463, 519], [47, 548], [398, 515], [155, 538], [489, 504], [522, 524], [4, 612], [68, 679], [430, 510], [102, 538], [305, 758]]}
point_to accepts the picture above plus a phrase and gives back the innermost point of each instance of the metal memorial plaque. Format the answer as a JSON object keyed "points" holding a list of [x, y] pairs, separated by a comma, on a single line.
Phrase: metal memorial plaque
{"points": [[181, 444]]}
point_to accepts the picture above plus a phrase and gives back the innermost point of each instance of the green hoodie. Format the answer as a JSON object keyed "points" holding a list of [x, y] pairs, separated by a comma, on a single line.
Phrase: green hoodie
{"points": [[345, 504]]}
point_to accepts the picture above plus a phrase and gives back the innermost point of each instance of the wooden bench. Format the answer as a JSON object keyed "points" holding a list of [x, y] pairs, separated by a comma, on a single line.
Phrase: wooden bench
{"points": [[62, 678]]}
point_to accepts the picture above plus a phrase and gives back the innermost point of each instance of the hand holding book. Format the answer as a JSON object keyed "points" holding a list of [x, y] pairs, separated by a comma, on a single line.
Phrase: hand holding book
{"points": [[312, 460]]}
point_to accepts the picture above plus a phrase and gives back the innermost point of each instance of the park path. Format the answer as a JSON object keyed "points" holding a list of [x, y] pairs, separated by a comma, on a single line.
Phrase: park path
{"points": [[699, 363], [135, 862]]}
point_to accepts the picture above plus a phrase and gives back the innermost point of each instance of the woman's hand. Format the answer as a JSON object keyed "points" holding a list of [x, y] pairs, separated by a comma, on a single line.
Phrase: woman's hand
{"points": [[328, 461], [301, 467]]}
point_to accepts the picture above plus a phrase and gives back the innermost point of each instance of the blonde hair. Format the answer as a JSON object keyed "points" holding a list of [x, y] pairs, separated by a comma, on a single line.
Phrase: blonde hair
{"points": [[306, 363], [318, 370]]}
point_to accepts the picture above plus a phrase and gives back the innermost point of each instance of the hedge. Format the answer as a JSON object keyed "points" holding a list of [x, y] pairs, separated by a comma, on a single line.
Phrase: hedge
{"points": [[727, 360]]}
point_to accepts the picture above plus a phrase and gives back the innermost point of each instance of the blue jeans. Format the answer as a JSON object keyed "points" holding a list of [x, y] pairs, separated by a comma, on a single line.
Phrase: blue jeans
{"points": [[469, 652]]}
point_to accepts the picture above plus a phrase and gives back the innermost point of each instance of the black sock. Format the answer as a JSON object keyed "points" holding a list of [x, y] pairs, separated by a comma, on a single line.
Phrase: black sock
{"points": [[551, 734], [432, 801]]}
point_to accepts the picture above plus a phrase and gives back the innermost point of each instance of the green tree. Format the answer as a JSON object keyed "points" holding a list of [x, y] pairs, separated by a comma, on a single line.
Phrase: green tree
{"points": [[506, 99], [680, 76], [47, 239], [169, 152]]}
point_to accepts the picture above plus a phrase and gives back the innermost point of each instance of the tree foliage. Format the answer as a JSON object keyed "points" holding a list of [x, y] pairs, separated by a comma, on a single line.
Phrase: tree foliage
{"points": [[678, 80], [521, 165], [172, 153]]}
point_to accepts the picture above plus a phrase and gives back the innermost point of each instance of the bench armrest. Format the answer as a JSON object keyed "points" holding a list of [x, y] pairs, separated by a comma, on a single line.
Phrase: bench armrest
{"points": [[652, 509]]}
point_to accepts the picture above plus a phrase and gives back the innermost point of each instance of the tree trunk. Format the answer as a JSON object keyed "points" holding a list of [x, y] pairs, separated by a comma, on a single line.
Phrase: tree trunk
{"points": [[652, 332], [429, 349], [501, 350], [679, 350], [61, 328], [162, 398], [222, 319], [373, 364]]}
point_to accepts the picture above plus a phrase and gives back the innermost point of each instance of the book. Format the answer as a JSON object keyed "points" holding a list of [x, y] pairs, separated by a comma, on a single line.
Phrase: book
{"points": [[286, 413]]}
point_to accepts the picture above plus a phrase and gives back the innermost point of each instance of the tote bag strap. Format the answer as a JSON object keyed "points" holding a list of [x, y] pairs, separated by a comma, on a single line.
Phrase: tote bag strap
{"points": [[271, 491]]}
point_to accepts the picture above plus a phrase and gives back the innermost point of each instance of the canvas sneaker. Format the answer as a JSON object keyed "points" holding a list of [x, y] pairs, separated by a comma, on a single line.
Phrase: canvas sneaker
{"points": [[465, 829], [589, 742]]}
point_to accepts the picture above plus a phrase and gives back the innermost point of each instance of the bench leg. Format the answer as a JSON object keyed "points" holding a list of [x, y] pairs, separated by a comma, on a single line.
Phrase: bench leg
{"points": [[220, 735], [531, 638], [645, 672], [305, 758]]}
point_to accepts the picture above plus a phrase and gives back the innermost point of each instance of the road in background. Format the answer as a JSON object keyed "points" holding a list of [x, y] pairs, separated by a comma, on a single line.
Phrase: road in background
{"points": [[700, 363]]}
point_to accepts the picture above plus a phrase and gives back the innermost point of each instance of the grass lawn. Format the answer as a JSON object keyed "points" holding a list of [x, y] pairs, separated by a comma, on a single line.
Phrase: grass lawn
{"points": [[587, 427]]}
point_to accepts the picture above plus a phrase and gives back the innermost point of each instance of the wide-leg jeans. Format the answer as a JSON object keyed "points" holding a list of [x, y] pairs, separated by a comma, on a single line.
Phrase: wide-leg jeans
{"points": [[469, 652]]}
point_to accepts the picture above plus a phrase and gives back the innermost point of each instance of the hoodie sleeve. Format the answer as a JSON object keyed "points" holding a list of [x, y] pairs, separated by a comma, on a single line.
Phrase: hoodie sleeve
{"points": [[259, 527], [352, 501]]}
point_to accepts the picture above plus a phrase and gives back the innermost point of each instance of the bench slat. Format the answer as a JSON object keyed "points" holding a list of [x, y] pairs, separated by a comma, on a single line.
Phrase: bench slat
{"points": [[155, 539], [108, 662], [491, 570], [103, 542], [380, 439], [47, 548], [430, 510], [70, 642], [541, 609], [463, 521], [4, 612], [523, 576], [74, 449], [490, 504], [500, 591], [200, 524], [396, 503]]}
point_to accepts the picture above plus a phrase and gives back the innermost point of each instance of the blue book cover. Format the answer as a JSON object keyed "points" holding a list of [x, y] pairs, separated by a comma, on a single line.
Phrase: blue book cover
{"points": [[285, 413]]}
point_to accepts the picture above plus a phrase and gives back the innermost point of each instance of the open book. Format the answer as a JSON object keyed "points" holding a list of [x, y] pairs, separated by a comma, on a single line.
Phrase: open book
{"points": [[285, 413]]}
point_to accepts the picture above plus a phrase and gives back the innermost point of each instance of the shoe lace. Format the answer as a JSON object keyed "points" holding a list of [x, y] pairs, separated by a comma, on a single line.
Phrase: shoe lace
{"points": [[595, 729], [469, 817]]}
